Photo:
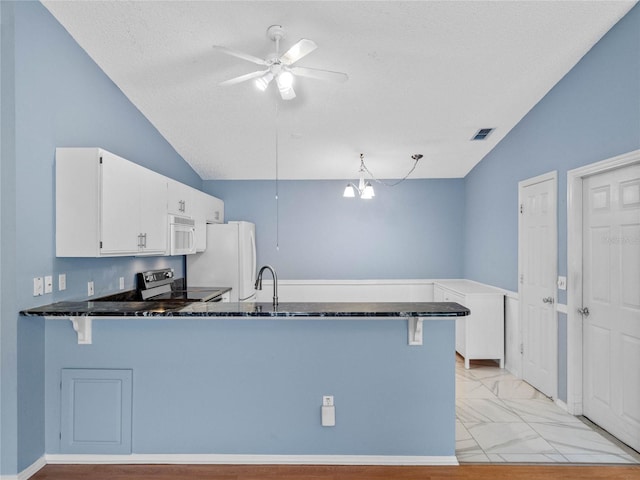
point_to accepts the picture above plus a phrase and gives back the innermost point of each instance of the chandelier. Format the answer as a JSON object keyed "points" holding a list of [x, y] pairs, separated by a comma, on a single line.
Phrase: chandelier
{"points": [[365, 189]]}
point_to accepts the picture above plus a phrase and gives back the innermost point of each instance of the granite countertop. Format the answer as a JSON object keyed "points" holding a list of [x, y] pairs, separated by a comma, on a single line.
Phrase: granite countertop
{"points": [[182, 308]]}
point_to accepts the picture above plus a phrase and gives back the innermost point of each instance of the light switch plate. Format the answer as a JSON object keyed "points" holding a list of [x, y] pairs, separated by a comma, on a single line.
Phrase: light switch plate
{"points": [[121, 283], [48, 284], [562, 283], [38, 286], [62, 281], [90, 289]]}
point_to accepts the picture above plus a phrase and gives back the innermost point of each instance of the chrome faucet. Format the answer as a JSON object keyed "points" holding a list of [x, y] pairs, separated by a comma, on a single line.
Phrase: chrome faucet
{"points": [[258, 285]]}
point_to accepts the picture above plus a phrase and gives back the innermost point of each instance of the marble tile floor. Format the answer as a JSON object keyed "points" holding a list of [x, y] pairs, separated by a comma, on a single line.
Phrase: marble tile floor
{"points": [[500, 419]]}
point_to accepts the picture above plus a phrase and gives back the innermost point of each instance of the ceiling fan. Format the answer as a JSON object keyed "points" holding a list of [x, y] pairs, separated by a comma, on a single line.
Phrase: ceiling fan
{"points": [[280, 67]]}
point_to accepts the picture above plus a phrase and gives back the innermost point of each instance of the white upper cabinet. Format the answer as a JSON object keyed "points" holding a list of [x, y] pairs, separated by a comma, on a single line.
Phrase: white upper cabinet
{"points": [[109, 206], [207, 209], [119, 230], [153, 212], [181, 200]]}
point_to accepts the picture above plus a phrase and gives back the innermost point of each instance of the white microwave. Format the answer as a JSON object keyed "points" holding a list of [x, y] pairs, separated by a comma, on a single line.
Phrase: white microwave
{"points": [[182, 235]]}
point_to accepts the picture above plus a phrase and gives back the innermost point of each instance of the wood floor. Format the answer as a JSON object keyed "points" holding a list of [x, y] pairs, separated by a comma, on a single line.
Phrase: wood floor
{"points": [[321, 472]]}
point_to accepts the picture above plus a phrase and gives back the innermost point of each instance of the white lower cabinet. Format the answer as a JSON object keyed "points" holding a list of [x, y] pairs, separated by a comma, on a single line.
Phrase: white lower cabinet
{"points": [[479, 335]]}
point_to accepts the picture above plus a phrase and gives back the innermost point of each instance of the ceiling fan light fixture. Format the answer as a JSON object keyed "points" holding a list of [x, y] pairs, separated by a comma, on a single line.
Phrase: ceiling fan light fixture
{"points": [[285, 79], [280, 67], [263, 82]]}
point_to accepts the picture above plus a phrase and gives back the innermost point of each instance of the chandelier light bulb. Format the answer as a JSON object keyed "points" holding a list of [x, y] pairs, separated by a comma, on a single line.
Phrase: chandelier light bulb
{"points": [[349, 191], [368, 192]]}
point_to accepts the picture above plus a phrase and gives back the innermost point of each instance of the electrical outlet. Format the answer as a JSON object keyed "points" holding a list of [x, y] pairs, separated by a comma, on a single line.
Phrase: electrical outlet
{"points": [[328, 416], [90, 289], [62, 281], [48, 284], [38, 286], [327, 401]]}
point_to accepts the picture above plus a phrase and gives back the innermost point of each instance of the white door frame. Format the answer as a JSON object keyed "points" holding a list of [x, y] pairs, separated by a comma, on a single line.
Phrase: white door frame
{"points": [[554, 254], [574, 270]]}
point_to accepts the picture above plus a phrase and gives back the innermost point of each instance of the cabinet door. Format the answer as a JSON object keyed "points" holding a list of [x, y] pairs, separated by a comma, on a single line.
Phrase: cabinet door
{"points": [[153, 212], [180, 199], [200, 205], [214, 211], [120, 210]]}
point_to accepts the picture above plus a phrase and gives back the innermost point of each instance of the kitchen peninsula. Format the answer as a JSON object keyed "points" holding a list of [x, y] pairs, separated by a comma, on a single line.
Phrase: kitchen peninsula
{"points": [[394, 396]]}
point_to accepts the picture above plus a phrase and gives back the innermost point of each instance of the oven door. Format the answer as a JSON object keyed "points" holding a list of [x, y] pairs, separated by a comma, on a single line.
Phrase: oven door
{"points": [[182, 235]]}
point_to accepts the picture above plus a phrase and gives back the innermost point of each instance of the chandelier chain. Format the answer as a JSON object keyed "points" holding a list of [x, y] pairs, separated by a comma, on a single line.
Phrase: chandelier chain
{"points": [[415, 163]]}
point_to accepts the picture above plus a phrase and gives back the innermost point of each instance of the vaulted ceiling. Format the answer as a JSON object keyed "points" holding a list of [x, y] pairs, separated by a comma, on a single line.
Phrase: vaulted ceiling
{"points": [[424, 76]]}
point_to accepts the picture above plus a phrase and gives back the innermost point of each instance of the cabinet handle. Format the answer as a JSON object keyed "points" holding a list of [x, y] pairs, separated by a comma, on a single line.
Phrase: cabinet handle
{"points": [[547, 300], [144, 243]]}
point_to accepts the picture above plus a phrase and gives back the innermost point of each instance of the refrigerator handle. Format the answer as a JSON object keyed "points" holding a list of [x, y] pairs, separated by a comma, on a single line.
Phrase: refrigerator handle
{"points": [[253, 254]]}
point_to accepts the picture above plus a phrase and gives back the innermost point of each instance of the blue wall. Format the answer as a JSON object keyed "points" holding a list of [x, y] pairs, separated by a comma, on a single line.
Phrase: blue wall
{"points": [[413, 230], [256, 386], [592, 114], [61, 98]]}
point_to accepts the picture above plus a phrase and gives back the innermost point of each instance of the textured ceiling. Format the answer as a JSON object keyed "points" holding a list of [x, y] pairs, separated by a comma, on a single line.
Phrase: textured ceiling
{"points": [[424, 76]]}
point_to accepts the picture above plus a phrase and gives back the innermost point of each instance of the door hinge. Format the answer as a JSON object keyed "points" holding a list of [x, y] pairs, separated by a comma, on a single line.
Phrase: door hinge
{"points": [[522, 349], [100, 243], [100, 160], [522, 208], [522, 278]]}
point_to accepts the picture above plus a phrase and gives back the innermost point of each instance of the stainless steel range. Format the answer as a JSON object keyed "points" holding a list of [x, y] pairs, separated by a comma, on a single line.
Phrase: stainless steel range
{"points": [[161, 285]]}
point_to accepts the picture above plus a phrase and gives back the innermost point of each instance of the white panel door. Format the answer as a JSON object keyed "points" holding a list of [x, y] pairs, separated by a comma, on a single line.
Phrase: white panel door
{"points": [[538, 269], [611, 292]]}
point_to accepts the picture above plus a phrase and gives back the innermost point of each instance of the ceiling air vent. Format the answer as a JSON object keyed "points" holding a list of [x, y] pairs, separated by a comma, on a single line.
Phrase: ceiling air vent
{"points": [[482, 134]]}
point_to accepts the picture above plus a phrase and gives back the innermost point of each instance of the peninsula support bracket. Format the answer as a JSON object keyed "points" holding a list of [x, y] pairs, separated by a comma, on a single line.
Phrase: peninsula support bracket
{"points": [[414, 327], [82, 325]]}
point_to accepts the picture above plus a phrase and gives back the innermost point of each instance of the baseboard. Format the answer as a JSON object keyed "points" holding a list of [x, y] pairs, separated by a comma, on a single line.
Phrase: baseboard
{"points": [[213, 459], [27, 472], [562, 405]]}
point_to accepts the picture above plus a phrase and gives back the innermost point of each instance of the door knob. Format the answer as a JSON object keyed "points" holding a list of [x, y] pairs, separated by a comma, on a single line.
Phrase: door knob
{"points": [[584, 311], [547, 300]]}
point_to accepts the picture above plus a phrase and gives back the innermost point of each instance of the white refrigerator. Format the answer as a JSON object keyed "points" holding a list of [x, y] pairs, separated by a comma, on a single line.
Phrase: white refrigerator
{"points": [[228, 261]]}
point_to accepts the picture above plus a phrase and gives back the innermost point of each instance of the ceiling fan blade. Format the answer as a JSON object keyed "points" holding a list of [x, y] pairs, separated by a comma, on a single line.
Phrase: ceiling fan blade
{"points": [[286, 91], [239, 54], [243, 78], [302, 48], [320, 74]]}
